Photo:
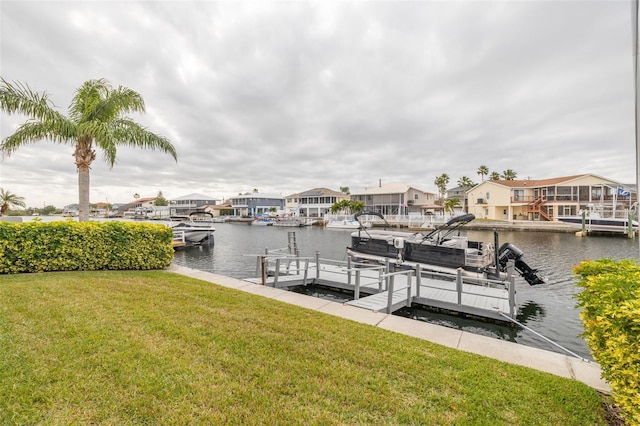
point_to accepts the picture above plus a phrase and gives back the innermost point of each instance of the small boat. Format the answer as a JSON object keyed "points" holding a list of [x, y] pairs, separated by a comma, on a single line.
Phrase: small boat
{"points": [[264, 221], [191, 231], [440, 251], [291, 222], [346, 224]]}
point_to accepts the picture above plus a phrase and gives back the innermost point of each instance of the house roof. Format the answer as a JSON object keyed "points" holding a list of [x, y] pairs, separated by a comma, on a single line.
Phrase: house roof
{"points": [[224, 205], [142, 200], [541, 182], [258, 195], [194, 196], [387, 188], [318, 192]]}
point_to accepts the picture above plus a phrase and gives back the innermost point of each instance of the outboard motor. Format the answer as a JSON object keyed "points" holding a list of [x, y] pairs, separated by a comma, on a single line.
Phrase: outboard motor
{"points": [[509, 252]]}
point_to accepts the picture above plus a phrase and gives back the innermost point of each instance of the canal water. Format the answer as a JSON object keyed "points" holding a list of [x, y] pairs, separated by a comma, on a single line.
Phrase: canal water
{"points": [[549, 309]]}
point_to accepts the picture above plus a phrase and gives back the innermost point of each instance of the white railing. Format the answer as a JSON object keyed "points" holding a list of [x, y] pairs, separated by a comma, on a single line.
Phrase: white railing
{"points": [[411, 221]]}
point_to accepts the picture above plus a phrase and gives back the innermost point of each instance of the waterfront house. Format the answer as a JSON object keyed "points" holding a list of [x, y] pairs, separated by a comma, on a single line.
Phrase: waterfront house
{"points": [[135, 207], [460, 193], [254, 203], [314, 202], [394, 199], [546, 199], [223, 209], [187, 204]]}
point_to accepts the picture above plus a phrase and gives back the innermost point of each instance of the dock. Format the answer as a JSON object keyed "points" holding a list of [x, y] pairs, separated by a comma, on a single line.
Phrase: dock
{"points": [[385, 289]]}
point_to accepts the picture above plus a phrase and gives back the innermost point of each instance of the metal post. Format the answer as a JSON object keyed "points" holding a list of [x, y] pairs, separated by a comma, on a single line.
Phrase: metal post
{"points": [[459, 285], [636, 84], [356, 293], [275, 275], [409, 274], [349, 270], [390, 293], [263, 262], [297, 260], [387, 268], [306, 271], [317, 266], [418, 279]]}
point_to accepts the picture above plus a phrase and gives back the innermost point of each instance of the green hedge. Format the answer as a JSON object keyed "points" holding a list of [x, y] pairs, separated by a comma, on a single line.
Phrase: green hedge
{"points": [[610, 314], [83, 246]]}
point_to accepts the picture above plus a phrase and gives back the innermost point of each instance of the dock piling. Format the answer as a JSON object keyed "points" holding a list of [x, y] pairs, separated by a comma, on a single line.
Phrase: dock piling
{"points": [[459, 285]]}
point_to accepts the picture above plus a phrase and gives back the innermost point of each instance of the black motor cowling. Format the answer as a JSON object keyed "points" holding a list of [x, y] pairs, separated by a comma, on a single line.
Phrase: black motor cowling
{"points": [[509, 252]]}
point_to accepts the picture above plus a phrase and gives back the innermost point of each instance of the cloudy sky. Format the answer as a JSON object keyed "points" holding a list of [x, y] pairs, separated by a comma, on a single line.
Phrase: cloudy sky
{"points": [[285, 96]]}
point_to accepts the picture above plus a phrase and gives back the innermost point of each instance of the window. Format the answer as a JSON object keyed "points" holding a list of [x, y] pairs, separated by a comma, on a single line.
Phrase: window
{"points": [[518, 194]]}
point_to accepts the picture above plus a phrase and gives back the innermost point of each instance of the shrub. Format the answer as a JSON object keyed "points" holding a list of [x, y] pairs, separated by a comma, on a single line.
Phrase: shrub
{"points": [[610, 314], [83, 246]]}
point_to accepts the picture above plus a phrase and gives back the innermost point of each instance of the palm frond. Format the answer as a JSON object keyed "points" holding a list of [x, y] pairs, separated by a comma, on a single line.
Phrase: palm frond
{"points": [[128, 133], [88, 99], [35, 131], [17, 97]]}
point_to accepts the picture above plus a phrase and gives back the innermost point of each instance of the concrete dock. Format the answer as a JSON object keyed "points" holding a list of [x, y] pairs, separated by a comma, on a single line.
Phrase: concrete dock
{"points": [[538, 359]]}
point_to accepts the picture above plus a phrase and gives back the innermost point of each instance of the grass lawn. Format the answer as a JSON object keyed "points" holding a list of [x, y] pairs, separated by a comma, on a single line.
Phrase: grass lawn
{"points": [[159, 348]]}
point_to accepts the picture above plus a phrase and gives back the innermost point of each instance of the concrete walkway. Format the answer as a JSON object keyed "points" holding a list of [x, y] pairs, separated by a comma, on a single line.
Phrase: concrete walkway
{"points": [[538, 359]]}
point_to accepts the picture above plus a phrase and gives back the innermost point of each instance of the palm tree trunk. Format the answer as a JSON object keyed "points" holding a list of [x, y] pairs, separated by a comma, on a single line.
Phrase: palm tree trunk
{"points": [[83, 192]]}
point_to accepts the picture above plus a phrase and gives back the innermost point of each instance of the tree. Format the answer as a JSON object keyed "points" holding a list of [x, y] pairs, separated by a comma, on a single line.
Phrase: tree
{"points": [[160, 200], [347, 206], [509, 175], [96, 119], [450, 204], [494, 176], [465, 182], [48, 210], [8, 200], [483, 171], [344, 190], [441, 183], [136, 196]]}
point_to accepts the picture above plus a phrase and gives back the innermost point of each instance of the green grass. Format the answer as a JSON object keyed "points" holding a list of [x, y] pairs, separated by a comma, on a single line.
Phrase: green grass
{"points": [[159, 348]]}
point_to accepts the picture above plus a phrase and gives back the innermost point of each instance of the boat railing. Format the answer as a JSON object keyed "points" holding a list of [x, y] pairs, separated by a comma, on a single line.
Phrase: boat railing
{"points": [[178, 235], [477, 258]]}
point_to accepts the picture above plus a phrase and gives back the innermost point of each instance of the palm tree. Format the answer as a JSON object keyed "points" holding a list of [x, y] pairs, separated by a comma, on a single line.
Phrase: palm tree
{"points": [[509, 174], [450, 204], [441, 183], [494, 176], [8, 200], [465, 182], [97, 119], [483, 171]]}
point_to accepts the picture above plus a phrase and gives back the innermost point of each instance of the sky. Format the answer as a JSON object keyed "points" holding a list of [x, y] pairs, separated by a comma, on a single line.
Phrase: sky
{"points": [[286, 96]]}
